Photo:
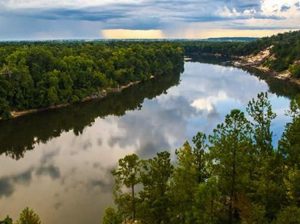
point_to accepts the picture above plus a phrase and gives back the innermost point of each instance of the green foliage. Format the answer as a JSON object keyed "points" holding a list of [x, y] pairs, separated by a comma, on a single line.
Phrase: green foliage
{"points": [[289, 215], [237, 176], [289, 148], [229, 154], [183, 185], [295, 70], [207, 207], [39, 75], [261, 112], [155, 201], [7, 220], [111, 217], [127, 174], [28, 216], [200, 154], [285, 49]]}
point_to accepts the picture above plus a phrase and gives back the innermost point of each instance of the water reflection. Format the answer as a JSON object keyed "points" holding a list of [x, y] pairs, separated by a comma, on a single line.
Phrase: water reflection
{"points": [[66, 178], [21, 134]]}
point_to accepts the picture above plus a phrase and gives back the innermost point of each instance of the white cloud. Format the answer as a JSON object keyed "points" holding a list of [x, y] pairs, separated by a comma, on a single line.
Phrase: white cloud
{"points": [[208, 103], [271, 7]]}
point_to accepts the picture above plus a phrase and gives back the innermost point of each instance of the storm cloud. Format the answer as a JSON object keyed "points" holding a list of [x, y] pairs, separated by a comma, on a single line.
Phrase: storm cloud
{"points": [[43, 19]]}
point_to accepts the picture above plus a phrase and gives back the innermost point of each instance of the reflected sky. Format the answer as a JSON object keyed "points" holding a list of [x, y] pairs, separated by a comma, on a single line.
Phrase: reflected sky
{"points": [[67, 178]]}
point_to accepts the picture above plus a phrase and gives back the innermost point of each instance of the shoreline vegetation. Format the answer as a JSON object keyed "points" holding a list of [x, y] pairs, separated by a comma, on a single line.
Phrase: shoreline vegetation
{"points": [[40, 76], [256, 61], [277, 56], [100, 95], [48, 75]]}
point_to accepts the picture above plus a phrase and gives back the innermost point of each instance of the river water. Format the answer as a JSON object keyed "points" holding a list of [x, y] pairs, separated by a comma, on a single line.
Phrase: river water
{"points": [[59, 162]]}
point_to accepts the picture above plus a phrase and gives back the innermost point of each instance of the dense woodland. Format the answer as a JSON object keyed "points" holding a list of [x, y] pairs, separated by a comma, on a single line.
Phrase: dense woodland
{"points": [[235, 175], [286, 50], [43, 74]]}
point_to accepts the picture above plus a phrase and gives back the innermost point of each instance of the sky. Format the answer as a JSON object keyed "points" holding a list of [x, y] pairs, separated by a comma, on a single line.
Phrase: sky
{"points": [[108, 19]]}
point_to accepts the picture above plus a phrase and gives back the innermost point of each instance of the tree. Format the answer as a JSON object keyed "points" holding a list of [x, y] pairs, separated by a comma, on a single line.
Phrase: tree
{"points": [[260, 110], [7, 220], [289, 147], [183, 185], [295, 70], [28, 216], [155, 200], [128, 174], [267, 173], [199, 151], [4, 109], [229, 154], [111, 217], [208, 207], [289, 215], [237, 177]]}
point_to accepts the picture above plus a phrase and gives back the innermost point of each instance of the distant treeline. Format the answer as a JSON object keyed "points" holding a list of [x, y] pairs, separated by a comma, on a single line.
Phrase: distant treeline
{"points": [[286, 50], [43, 74], [235, 175]]}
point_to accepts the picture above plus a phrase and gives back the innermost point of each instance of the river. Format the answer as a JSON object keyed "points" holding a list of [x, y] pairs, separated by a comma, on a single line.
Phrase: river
{"points": [[59, 162]]}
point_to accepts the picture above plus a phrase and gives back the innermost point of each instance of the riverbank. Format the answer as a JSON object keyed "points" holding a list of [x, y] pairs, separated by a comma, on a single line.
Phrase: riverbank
{"points": [[100, 95], [256, 61]]}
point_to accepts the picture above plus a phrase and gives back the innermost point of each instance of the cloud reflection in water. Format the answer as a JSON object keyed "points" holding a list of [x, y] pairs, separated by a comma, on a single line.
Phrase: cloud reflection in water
{"points": [[66, 178]]}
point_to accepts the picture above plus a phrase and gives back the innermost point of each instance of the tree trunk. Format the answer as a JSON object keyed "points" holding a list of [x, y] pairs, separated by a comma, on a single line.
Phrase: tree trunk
{"points": [[133, 202], [232, 193]]}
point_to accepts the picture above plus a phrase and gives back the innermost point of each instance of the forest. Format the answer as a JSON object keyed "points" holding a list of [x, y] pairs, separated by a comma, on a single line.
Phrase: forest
{"points": [[286, 50], [43, 74], [234, 175]]}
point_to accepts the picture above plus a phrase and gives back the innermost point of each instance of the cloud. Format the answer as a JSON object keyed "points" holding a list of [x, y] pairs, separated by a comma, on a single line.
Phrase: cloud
{"points": [[104, 184], [208, 103], [7, 184], [285, 8], [171, 18], [49, 156], [51, 171], [167, 127], [6, 187]]}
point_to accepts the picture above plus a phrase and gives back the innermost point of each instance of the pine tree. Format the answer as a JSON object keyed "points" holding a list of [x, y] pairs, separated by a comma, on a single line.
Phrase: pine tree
{"points": [[127, 174], [155, 199], [229, 154], [183, 185]]}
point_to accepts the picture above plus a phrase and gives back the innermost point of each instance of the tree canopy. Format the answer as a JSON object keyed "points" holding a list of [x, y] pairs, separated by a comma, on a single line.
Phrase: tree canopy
{"points": [[40, 75], [235, 175]]}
